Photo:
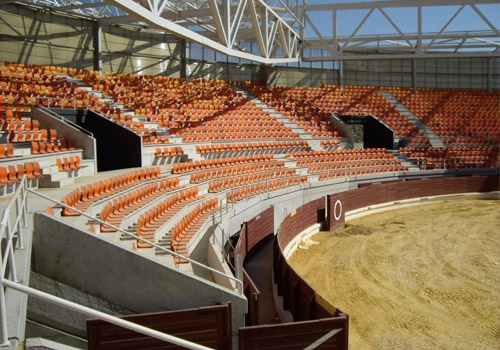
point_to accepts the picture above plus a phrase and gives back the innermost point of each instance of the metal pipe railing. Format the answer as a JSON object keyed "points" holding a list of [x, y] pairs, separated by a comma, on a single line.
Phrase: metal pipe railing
{"points": [[238, 283], [8, 229], [101, 315], [7, 232]]}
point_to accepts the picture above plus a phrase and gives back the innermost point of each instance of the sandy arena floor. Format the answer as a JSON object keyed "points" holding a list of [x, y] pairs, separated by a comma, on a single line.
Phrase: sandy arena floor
{"points": [[423, 277]]}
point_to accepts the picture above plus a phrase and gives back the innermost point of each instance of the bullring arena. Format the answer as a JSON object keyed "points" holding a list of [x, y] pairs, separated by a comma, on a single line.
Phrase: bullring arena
{"points": [[198, 174], [416, 277]]}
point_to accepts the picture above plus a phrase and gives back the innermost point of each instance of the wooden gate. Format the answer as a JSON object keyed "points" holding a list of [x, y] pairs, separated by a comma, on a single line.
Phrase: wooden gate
{"points": [[326, 333], [208, 326]]}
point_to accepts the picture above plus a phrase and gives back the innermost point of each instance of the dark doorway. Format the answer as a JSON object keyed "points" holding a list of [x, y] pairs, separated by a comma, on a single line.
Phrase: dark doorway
{"points": [[375, 134]]}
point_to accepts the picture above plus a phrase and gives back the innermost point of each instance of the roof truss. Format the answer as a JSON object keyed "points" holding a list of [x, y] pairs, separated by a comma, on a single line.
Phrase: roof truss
{"points": [[278, 27], [398, 43]]}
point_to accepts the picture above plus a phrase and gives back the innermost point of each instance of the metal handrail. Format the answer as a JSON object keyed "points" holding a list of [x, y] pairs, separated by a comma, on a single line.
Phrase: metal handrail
{"points": [[101, 315], [7, 230], [97, 220]]}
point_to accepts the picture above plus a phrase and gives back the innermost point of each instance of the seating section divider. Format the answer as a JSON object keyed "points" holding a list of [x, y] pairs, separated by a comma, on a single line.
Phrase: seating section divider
{"points": [[116, 210], [150, 221], [82, 198]]}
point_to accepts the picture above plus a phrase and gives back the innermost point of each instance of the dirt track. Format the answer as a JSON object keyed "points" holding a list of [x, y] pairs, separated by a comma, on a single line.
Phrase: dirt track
{"points": [[424, 277]]}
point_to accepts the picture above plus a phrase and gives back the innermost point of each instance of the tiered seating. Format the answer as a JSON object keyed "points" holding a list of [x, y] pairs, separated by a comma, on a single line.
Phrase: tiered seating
{"points": [[429, 158], [237, 138], [352, 162], [182, 232], [423, 102], [232, 170], [24, 86], [12, 174], [235, 149], [311, 108], [467, 118], [168, 152], [244, 122], [387, 113], [82, 198], [69, 164], [247, 188], [150, 221], [167, 102], [219, 162], [117, 209], [23, 131]]}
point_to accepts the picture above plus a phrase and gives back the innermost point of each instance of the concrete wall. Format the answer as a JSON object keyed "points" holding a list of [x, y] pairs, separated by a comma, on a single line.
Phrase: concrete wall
{"points": [[128, 279], [61, 318], [67, 131]]}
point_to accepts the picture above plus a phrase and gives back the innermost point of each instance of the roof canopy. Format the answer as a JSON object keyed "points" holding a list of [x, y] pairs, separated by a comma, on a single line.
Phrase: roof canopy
{"points": [[285, 30]]}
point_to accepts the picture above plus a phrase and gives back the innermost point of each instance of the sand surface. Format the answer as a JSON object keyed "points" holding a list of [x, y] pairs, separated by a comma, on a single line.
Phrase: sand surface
{"points": [[424, 277]]}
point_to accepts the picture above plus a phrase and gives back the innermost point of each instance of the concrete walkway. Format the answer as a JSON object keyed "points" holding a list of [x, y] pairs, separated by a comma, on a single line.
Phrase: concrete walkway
{"points": [[260, 269]]}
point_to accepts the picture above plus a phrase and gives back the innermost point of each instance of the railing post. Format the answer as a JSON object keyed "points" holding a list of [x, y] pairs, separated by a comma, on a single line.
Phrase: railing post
{"points": [[21, 212], [10, 252], [4, 339], [239, 272]]}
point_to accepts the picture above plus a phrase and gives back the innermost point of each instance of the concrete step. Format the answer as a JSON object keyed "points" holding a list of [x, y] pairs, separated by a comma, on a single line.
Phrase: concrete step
{"points": [[164, 242], [57, 180], [131, 237], [428, 133]]}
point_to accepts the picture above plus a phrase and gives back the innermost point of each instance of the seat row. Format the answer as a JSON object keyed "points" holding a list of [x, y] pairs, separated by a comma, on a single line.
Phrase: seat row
{"points": [[151, 220], [51, 146], [242, 135], [6, 150], [11, 123], [187, 227], [342, 172], [185, 167], [116, 210], [266, 176], [218, 172], [154, 138], [216, 148], [357, 168], [69, 164], [238, 193], [12, 174], [168, 152], [453, 157], [82, 198]]}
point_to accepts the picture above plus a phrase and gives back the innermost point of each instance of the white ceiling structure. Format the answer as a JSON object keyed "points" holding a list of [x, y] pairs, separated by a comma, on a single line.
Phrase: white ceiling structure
{"points": [[284, 30]]}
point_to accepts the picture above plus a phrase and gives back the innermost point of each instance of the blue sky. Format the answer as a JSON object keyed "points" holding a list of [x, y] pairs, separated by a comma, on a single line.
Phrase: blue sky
{"points": [[434, 19]]}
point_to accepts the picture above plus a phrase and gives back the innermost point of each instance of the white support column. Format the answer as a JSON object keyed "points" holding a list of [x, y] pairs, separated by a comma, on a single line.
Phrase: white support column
{"points": [[97, 41]]}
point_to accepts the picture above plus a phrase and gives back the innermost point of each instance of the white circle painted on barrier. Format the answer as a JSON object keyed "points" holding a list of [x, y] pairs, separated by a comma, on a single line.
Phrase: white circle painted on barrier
{"points": [[337, 208]]}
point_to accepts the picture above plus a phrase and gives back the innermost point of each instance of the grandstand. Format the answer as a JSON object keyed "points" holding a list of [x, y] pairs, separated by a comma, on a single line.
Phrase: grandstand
{"points": [[151, 150]]}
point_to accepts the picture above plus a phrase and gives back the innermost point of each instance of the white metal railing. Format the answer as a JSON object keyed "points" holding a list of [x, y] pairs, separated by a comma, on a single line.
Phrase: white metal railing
{"points": [[97, 314], [119, 230], [10, 232]]}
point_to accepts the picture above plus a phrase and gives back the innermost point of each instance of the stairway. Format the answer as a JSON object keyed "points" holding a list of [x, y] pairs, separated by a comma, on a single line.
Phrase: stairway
{"points": [[429, 134], [404, 160], [296, 129], [164, 242], [303, 135]]}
